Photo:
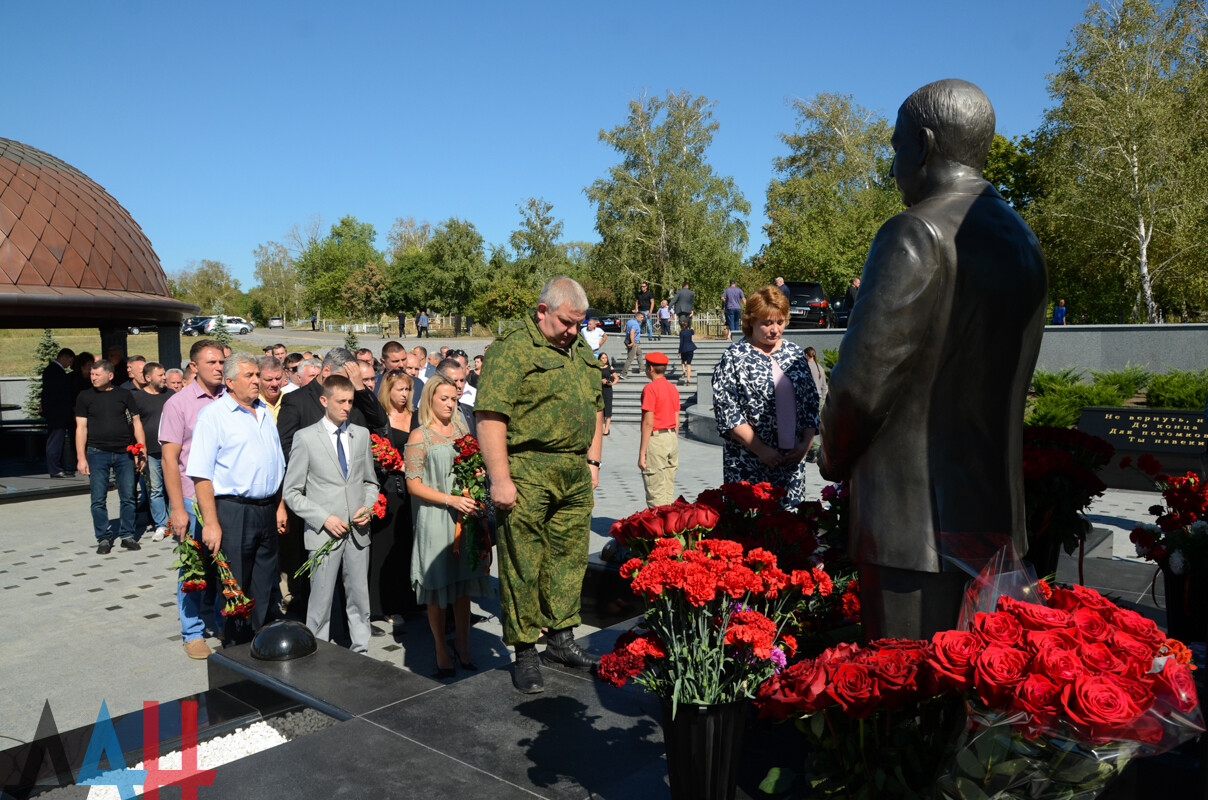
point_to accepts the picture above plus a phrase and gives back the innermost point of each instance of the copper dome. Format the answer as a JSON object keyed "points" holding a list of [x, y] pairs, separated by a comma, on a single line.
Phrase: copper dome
{"points": [[69, 251]]}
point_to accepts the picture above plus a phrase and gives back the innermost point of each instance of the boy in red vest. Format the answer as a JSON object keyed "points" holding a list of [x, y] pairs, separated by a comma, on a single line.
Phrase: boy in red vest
{"points": [[658, 455]]}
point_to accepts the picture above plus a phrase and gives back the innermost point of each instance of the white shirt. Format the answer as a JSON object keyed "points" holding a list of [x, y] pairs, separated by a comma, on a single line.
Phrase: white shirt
{"points": [[236, 450], [345, 435], [594, 338], [467, 395], [289, 386]]}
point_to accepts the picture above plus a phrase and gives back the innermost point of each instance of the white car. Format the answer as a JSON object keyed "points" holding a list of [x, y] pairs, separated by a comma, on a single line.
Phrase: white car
{"points": [[237, 325], [276, 322]]}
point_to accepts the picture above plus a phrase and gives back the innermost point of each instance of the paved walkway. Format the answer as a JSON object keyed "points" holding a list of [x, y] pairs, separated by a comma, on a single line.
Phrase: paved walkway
{"points": [[79, 628]]}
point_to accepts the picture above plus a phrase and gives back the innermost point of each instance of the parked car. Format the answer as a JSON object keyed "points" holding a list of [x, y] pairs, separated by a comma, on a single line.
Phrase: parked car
{"points": [[611, 323], [135, 330], [276, 322], [842, 312], [194, 326], [808, 306], [237, 325]]}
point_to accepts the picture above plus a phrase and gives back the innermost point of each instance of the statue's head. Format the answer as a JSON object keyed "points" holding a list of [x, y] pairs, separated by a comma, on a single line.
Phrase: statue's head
{"points": [[944, 127]]}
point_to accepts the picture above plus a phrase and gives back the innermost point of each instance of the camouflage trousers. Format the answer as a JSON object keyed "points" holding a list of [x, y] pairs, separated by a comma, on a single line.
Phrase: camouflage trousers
{"points": [[543, 544]]}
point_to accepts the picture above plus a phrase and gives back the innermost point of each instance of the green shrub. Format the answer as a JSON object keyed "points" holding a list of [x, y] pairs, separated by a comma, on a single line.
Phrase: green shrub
{"points": [[829, 359], [1061, 407], [1185, 389], [1129, 380], [1044, 382]]}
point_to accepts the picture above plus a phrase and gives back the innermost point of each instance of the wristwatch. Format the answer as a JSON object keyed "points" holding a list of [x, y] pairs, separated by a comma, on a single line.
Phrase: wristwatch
{"points": [[593, 462]]}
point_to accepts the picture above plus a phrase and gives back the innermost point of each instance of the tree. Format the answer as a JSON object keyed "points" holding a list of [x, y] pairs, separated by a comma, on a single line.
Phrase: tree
{"points": [[457, 265], [1122, 162], [326, 265], [367, 292], [662, 213], [46, 351], [407, 234], [539, 256], [831, 193], [221, 332], [207, 283], [1011, 169], [280, 289]]}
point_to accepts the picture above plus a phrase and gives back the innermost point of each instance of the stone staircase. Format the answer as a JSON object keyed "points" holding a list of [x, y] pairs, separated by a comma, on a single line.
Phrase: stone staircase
{"points": [[627, 395]]}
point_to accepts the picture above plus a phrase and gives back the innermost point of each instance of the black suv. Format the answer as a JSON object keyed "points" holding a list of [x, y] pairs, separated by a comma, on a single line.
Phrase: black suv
{"points": [[808, 306]]}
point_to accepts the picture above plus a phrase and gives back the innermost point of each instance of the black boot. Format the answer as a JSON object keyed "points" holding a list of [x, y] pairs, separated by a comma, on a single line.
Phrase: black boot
{"points": [[561, 648], [526, 672]]}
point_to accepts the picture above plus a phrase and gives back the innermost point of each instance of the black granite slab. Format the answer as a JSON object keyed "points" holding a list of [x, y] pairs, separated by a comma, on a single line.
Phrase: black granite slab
{"points": [[357, 759], [578, 739], [333, 680], [29, 769]]}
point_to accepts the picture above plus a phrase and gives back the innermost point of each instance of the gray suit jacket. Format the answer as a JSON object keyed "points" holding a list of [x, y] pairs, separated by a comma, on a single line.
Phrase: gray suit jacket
{"points": [[315, 487], [925, 408]]}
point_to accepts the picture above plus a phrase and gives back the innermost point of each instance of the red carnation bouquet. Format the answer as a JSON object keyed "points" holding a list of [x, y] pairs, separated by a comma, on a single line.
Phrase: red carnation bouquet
{"points": [[136, 452], [189, 559], [469, 473], [308, 568], [1046, 699], [385, 454]]}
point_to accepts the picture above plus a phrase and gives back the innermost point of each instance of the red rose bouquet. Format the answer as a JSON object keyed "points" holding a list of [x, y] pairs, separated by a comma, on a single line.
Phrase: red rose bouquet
{"points": [[1060, 469], [470, 478], [1053, 699]]}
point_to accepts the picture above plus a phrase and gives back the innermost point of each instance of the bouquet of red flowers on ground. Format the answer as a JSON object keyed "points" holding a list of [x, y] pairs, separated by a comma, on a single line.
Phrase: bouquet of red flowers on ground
{"points": [[470, 478], [1060, 481], [1038, 700], [1178, 539], [715, 626], [385, 454]]}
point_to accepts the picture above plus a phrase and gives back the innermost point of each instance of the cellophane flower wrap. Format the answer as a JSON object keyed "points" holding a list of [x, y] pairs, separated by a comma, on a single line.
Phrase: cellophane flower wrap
{"points": [[469, 476], [720, 603], [1041, 698]]}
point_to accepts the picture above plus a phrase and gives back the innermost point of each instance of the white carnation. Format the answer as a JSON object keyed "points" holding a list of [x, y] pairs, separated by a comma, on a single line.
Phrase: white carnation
{"points": [[1177, 562]]}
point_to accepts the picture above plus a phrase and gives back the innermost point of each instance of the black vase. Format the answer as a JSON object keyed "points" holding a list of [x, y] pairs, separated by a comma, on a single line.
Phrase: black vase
{"points": [[1186, 610], [704, 745]]}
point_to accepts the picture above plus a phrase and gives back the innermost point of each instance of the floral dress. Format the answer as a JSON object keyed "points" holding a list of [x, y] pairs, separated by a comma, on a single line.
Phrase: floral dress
{"points": [[437, 576], [743, 392]]}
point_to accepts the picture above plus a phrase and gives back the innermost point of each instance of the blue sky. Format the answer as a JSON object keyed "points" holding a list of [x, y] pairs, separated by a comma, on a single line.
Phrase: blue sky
{"points": [[220, 125]]}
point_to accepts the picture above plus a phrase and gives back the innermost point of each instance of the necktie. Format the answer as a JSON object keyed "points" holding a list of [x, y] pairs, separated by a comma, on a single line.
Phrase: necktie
{"points": [[340, 452]]}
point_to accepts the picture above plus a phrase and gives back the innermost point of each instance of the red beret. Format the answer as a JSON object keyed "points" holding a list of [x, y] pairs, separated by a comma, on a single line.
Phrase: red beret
{"points": [[657, 358]]}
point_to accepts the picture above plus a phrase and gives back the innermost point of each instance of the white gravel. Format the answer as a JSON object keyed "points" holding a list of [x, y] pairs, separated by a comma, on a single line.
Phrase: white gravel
{"points": [[212, 753]]}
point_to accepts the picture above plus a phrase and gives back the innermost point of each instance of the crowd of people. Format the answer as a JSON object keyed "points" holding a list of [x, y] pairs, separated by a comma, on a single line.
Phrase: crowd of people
{"points": [[268, 460]]}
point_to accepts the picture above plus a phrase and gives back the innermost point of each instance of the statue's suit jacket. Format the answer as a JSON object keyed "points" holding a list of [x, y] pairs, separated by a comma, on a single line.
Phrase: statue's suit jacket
{"points": [[926, 403], [315, 487]]}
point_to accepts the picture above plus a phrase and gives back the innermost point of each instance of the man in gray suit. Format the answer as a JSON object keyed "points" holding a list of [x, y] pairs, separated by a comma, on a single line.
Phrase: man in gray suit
{"points": [[330, 484], [925, 409]]}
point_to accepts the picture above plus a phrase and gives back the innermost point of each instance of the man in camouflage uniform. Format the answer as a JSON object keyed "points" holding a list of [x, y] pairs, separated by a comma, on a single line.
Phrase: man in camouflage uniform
{"points": [[540, 416]]}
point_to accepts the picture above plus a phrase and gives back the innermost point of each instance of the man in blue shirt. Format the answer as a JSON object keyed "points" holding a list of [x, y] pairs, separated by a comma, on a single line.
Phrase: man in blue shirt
{"points": [[1059, 313], [733, 300], [237, 467], [633, 342]]}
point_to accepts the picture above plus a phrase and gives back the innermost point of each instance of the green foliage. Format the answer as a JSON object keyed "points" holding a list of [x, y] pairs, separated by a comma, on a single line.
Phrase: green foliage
{"points": [[1186, 389], [539, 256], [830, 195], [662, 213], [829, 359], [366, 292], [280, 291], [351, 344], [1010, 168], [221, 332], [45, 351], [207, 284], [1061, 406], [458, 268], [1122, 163], [1045, 382], [1128, 381], [505, 299], [325, 266]]}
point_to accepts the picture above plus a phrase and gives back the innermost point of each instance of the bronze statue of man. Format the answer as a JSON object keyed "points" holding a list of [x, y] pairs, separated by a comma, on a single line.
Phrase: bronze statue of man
{"points": [[925, 410]]}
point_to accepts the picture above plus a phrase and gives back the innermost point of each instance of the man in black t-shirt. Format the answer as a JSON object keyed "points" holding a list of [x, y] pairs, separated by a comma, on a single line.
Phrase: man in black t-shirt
{"points": [[107, 422], [644, 302], [150, 404]]}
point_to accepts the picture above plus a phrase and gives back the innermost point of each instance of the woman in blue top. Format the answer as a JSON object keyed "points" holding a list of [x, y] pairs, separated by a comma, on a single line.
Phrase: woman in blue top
{"points": [[765, 401]]}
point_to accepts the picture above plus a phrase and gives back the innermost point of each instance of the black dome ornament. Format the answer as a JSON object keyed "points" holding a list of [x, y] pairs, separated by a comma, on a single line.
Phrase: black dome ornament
{"points": [[283, 640]]}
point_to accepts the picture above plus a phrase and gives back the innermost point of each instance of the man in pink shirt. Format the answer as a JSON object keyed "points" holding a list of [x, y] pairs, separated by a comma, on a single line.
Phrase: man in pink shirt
{"points": [[176, 434]]}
